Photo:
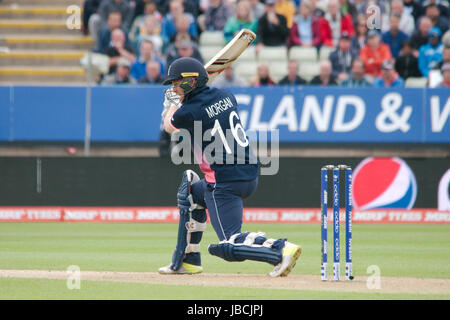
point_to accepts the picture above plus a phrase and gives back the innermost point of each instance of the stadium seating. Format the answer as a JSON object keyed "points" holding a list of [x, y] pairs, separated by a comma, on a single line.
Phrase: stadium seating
{"points": [[278, 69], [211, 42], [208, 52], [416, 82], [99, 63], [324, 52], [212, 38], [302, 54], [248, 55], [37, 46], [277, 57], [308, 70], [273, 54], [246, 69]]}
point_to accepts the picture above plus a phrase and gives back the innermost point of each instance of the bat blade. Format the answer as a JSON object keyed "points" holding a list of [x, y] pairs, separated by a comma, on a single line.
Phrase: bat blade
{"points": [[229, 53]]}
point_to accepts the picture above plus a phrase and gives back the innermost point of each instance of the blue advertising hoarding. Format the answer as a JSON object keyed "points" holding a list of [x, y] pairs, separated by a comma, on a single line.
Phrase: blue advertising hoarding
{"points": [[301, 114]]}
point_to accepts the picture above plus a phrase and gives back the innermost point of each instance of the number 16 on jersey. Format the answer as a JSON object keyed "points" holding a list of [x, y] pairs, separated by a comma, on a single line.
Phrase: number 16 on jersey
{"points": [[236, 129]]}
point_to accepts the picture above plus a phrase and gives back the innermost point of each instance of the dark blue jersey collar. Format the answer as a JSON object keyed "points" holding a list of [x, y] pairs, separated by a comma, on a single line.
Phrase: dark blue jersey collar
{"points": [[196, 91]]}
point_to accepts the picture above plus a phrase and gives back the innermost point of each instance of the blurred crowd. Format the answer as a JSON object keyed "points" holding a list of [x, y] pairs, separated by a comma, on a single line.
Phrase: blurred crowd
{"points": [[376, 43]]}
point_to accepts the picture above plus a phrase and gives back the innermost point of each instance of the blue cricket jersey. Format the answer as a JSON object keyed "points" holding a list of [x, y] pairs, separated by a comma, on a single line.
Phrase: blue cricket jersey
{"points": [[223, 150]]}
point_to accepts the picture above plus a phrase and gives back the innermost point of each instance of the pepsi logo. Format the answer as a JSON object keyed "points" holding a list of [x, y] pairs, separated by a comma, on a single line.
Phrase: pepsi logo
{"points": [[384, 183], [444, 192]]}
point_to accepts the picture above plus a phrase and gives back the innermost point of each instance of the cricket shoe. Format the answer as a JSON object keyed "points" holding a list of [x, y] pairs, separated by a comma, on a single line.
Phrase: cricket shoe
{"points": [[290, 253], [186, 268]]}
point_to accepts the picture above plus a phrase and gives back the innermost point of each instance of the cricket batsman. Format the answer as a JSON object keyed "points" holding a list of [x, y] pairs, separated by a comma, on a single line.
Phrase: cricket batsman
{"points": [[226, 183]]}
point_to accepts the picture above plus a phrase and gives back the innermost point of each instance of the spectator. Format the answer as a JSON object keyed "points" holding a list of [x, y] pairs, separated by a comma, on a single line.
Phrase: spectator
{"points": [[183, 25], [287, 9], [374, 53], [163, 6], [445, 75], [146, 54], [121, 74], [318, 8], [99, 20], [348, 8], [430, 54], [420, 36], [242, 19], [441, 5], [191, 6], [360, 6], [413, 8], [432, 11], [359, 40], [356, 78], [406, 64], [103, 38], [333, 24], [292, 78], [152, 74], [229, 79], [296, 3], [183, 47], [263, 77], [446, 38], [118, 49], [139, 24], [389, 77], [138, 7], [168, 26], [90, 7], [445, 58], [272, 28], [325, 77], [257, 9], [149, 31], [341, 59], [215, 17], [305, 30], [123, 6], [151, 9], [394, 38], [406, 23]]}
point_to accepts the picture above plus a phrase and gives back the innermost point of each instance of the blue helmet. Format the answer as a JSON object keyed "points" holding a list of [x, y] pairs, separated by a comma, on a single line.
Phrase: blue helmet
{"points": [[187, 69]]}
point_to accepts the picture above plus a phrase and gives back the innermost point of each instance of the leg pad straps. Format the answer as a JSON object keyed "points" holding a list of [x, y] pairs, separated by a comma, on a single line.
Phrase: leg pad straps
{"points": [[250, 245]]}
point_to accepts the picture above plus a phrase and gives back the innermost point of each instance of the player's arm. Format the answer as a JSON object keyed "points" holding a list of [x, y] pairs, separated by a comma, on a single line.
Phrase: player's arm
{"points": [[172, 101], [168, 127]]}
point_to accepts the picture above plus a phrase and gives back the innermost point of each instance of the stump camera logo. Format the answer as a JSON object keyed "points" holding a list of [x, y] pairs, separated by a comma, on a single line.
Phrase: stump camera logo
{"points": [[384, 183]]}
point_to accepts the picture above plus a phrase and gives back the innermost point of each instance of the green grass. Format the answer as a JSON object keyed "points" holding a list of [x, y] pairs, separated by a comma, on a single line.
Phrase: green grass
{"points": [[398, 250], [102, 290]]}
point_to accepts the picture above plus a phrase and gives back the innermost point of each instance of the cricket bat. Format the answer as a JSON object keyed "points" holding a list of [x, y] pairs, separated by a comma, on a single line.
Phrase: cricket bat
{"points": [[229, 53]]}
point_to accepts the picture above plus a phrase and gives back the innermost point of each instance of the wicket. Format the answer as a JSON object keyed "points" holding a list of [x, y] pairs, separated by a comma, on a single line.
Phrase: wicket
{"points": [[336, 170]]}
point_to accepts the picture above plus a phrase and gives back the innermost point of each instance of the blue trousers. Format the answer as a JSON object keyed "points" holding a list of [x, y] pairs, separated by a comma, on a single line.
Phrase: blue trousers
{"points": [[224, 202]]}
